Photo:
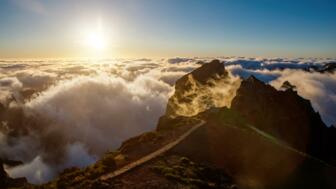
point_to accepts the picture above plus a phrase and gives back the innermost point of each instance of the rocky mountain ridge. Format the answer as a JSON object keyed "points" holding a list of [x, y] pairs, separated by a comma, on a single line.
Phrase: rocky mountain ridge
{"points": [[268, 138], [267, 135], [282, 113]]}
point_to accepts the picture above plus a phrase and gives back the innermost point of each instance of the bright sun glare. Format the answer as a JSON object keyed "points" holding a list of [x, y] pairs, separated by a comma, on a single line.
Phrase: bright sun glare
{"points": [[95, 40]]}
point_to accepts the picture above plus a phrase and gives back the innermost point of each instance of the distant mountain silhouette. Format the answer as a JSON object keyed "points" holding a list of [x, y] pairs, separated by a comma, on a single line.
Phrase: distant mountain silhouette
{"points": [[329, 67], [326, 68]]}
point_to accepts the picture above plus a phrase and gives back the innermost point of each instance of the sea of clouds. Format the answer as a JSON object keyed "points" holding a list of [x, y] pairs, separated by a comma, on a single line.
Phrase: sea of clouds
{"points": [[61, 113]]}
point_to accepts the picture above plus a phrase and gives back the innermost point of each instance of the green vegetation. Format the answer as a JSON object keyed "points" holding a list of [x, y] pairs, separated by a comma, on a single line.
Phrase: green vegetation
{"points": [[168, 123], [231, 117], [224, 117], [192, 175]]}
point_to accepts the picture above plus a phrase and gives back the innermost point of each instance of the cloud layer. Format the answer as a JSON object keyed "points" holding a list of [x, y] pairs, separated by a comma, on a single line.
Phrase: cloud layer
{"points": [[60, 113]]}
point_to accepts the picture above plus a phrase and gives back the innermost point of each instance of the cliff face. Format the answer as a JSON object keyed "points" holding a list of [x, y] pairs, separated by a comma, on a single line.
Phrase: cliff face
{"points": [[212, 70], [208, 86], [3, 174], [7, 182], [285, 115], [259, 139]]}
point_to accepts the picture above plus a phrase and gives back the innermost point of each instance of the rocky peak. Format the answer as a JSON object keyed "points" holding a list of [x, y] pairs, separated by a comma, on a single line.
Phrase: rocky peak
{"points": [[212, 70], [285, 115], [252, 79], [287, 86], [193, 91], [252, 90], [207, 71], [6, 181], [3, 174], [265, 106]]}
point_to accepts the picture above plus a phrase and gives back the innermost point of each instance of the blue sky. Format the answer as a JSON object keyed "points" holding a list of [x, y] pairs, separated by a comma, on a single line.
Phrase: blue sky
{"points": [[163, 28]]}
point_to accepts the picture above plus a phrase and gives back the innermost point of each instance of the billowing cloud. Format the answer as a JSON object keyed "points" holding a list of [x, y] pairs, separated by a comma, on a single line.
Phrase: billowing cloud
{"points": [[9, 87], [93, 109], [35, 79], [96, 112], [37, 171], [319, 88], [10, 82], [61, 113]]}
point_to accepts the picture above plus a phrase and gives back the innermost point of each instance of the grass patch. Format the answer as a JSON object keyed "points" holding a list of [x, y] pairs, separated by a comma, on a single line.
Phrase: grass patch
{"points": [[192, 175]]}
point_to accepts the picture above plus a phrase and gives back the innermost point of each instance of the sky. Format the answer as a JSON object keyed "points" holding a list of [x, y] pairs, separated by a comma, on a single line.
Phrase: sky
{"points": [[167, 28]]}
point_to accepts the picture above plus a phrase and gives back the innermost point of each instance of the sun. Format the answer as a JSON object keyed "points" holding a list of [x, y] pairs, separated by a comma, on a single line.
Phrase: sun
{"points": [[94, 37], [95, 40]]}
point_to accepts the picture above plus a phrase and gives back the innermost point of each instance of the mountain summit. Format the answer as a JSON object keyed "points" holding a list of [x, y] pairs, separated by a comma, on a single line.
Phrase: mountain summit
{"points": [[212, 70], [207, 86], [286, 116], [264, 130]]}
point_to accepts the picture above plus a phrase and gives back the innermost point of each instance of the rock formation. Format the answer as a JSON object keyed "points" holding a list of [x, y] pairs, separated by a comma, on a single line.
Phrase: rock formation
{"points": [[208, 86], [286, 116]]}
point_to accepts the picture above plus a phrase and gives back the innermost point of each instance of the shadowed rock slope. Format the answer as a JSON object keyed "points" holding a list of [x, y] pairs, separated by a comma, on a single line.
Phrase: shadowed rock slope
{"points": [[7, 182], [254, 159], [286, 116], [267, 139]]}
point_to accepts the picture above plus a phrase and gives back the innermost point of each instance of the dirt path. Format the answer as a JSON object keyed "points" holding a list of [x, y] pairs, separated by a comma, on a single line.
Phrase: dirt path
{"points": [[151, 155]]}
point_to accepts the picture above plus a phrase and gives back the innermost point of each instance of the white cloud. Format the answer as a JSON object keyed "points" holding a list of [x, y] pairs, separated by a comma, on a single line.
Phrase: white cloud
{"points": [[90, 108], [319, 88], [97, 113], [35, 79], [9, 86], [35, 171], [38, 171]]}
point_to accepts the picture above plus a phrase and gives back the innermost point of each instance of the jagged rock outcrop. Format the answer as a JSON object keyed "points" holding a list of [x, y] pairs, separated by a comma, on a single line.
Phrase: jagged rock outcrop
{"points": [[212, 70], [7, 182], [259, 139], [207, 86], [3, 174], [287, 86], [282, 113], [285, 115]]}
